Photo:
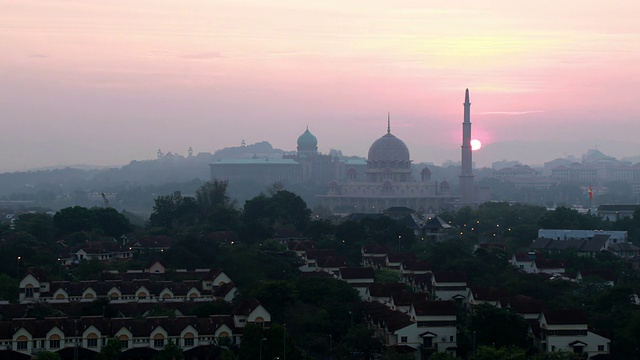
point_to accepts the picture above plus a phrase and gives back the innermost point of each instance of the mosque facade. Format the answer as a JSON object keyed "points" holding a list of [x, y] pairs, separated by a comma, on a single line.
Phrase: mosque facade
{"points": [[387, 182]]}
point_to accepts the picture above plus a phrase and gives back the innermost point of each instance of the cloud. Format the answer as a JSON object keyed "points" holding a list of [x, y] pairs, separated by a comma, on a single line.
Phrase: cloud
{"points": [[511, 112], [203, 56]]}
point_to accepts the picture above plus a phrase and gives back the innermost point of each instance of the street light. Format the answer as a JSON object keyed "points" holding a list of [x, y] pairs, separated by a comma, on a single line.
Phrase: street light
{"points": [[18, 267], [261, 340]]}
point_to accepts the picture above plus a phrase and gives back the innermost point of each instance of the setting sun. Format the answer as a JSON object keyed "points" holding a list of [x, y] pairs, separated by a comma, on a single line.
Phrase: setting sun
{"points": [[475, 144]]}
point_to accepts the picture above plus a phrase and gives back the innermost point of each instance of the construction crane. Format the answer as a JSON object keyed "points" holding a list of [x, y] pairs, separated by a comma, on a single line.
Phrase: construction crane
{"points": [[105, 201]]}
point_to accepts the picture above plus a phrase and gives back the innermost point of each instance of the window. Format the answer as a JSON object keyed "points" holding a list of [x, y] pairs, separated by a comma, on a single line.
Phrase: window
{"points": [[54, 344], [92, 342], [427, 342], [28, 291], [124, 343], [21, 343], [451, 338], [188, 342], [403, 339], [158, 341]]}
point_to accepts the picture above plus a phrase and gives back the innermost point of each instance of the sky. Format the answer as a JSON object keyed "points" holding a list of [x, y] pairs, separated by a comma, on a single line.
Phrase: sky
{"points": [[107, 82]]}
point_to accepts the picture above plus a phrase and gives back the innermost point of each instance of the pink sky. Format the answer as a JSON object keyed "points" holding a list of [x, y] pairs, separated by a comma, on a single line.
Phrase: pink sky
{"points": [[107, 82]]}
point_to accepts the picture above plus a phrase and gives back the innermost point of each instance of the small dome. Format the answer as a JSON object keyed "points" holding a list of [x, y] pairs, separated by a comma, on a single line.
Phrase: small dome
{"points": [[444, 184], [426, 171], [389, 148], [333, 183], [307, 141]]}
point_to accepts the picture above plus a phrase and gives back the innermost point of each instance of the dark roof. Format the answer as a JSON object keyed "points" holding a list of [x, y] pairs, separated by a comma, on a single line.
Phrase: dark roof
{"points": [[317, 253], [386, 290], [246, 307], [623, 247], [565, 317], [435, 307], [357, 273], [449, 276], [489, 293], [417, 265], [398, 209], [436, 223], [596, 243], [375, 249], [410, 222], [401, 257], [606, 274], [382, 315]]}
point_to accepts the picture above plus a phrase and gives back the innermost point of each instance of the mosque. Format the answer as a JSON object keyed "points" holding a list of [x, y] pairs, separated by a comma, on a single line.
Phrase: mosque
{"points": [[387, 182], [383, 181]]}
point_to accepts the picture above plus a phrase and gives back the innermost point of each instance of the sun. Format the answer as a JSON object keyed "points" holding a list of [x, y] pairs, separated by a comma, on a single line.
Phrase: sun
{"points": [[475, 144]]}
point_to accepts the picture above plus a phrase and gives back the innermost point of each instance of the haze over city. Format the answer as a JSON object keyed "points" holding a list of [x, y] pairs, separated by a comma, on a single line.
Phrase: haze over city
{"points": [[108, 82]]}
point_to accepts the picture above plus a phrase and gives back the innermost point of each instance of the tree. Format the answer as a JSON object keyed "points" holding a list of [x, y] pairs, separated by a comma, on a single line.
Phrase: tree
{"points": [[171, 351], [49, 355], [172, 210], [505, 353], [73, 219], [111, 351], [8, 288], [213, 195], [498, 327]]}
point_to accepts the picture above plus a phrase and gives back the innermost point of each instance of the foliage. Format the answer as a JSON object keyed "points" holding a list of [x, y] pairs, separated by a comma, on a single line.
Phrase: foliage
{"points": [[8, 288], [386, 276], [76, 219], [49, 355], [505, 353], [171, 351], [174, 210], [497, 327], [111, 351]]}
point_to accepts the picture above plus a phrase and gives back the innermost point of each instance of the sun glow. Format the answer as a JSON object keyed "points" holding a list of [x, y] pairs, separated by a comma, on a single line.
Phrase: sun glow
{"points": [[475, 144]]}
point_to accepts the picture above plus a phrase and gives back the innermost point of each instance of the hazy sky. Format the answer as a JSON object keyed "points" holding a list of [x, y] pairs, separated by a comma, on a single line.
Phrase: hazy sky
{"points": [[105, 82]]}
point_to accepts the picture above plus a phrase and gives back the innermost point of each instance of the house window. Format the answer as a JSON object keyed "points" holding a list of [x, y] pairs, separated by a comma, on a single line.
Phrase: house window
{"points": [[188, 342], [54, 344], [451, 338], [124, 343], [28, 291], [600, 347], [92, 342], [553, 348], [403, 339], [158, 341], [427, 342], [577, 349], [21, 343]]}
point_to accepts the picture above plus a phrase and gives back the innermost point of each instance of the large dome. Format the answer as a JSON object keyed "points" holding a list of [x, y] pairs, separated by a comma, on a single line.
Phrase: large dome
{"points": [[389, 148], [307, 141]]}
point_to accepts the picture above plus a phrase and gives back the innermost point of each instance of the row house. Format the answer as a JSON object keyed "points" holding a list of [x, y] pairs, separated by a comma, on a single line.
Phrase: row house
{"points": [[358, 278], [96, 250], [449, 285], [373, 255], [534, 263], [568, 330], [149, 285], [428, 326], [629, 252], [29, 336]]}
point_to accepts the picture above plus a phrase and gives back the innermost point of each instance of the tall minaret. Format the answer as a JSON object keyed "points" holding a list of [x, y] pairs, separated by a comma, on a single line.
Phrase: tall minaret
{"points": [[466, 175]]}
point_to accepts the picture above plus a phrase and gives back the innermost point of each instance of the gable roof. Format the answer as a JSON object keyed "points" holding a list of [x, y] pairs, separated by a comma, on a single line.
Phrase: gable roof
{"points": [[566, 317], [357, 273], [435, 307]]}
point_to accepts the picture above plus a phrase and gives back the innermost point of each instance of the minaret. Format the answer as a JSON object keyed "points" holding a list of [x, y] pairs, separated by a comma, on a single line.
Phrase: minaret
{"points": [[466, 175]]}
